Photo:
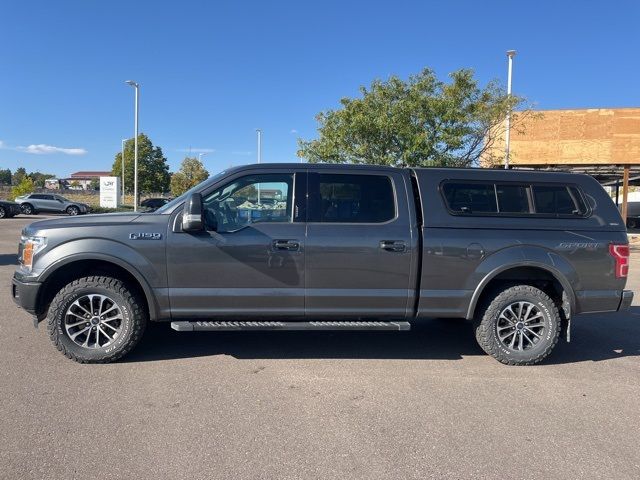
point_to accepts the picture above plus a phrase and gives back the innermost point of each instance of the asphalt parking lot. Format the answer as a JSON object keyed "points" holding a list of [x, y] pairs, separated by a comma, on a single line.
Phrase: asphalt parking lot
{"points": [[422, 404]]}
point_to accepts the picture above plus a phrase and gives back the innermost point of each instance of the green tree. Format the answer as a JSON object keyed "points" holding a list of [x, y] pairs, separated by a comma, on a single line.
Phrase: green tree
{"points": [[419, 122], [18, 176], [5, 176], [191, 173], [25, 186], [95, 184], [153, 169], [39, 178]]}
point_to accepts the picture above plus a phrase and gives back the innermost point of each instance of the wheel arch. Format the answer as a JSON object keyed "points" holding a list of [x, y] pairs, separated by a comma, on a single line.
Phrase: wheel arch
{"points": [[76, 266], [529, 272]]}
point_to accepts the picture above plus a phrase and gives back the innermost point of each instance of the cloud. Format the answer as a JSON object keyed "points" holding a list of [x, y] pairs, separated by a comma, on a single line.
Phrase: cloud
{"points": [[244, 153], [42, 149], [293, 131], [196, 150]]}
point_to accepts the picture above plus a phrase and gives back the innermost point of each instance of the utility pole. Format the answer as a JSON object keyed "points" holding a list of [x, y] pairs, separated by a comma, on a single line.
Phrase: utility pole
{"points": [[507, 135], [123, 142], [135, 147], [259, 133]]}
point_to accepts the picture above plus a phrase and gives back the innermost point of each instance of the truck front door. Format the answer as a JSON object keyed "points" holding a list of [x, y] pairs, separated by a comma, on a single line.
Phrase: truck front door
{"points": [[250, 263], [359, 245]]}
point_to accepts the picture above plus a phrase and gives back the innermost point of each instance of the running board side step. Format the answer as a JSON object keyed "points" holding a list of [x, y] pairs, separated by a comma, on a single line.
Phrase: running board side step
{"points": [[226, 326]]}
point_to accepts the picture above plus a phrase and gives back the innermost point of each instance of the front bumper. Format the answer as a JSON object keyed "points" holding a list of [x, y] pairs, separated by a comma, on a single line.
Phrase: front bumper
{"points": [[25, 294], [625, 301]]}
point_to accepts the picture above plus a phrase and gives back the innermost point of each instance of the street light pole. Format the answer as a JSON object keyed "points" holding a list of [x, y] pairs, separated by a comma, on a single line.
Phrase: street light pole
{"points": [[507, 135], [123, 142], [135, 144], [200, 155], [259, 133]]}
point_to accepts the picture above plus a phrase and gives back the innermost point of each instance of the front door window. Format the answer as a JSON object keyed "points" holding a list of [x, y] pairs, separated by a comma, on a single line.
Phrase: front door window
{"points": [[253, 199]]}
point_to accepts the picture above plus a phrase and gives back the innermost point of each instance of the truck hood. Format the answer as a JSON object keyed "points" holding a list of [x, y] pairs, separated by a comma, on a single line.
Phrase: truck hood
{"points": [[101, 220]]}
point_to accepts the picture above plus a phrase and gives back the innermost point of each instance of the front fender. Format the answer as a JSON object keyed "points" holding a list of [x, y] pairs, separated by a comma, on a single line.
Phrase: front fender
{"points": [[120, 254], [518, 257]]}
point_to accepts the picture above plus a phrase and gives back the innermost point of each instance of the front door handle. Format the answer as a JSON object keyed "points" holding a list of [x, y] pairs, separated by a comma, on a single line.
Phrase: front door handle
{"points": [[289, 245], [393, 245]]}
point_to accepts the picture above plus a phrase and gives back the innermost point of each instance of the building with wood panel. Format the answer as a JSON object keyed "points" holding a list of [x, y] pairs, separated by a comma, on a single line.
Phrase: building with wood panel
{"points": [[603, 142]]}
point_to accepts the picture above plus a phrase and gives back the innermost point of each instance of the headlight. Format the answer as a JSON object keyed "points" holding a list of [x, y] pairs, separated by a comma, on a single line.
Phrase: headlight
{"points": [[31, 246]]}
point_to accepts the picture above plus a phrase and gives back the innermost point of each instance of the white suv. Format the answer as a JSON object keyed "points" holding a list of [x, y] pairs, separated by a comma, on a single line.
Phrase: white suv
{"points": [[33, 203]]}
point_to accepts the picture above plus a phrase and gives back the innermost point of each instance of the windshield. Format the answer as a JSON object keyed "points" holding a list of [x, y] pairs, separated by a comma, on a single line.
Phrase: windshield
{"points": [[60, 197], [169, 206]]}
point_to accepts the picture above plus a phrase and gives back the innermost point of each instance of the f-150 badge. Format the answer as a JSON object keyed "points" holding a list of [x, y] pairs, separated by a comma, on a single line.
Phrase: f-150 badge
{"points": [[145, 236]]}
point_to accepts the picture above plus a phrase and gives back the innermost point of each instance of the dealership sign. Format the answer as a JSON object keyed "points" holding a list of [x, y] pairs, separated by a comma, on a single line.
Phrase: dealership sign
{"points": [[109, 192]]}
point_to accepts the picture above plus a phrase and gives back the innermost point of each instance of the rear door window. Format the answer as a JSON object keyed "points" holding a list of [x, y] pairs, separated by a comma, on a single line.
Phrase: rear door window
{"points": [[350, 198]]}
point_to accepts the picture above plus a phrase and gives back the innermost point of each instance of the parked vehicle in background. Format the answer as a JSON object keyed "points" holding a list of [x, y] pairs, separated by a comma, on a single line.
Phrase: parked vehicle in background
{"points": [[9, 209], [154, 203], [34, 203], [335, 247], [633, 222]]}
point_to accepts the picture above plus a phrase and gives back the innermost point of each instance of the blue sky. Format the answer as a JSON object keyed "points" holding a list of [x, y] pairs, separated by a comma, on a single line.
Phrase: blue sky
{"points": [[213, 72]]}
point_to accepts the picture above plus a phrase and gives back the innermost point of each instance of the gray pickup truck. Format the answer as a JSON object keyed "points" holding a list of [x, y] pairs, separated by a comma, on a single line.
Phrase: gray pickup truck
{"points": [[326, 247]]}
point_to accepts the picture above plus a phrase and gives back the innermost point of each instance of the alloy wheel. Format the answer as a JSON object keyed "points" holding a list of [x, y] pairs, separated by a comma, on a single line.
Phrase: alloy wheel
{"points": [[520, 326], [93, 321]]}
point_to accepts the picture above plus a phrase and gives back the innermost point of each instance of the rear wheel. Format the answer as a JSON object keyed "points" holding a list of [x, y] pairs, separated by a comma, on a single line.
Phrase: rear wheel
{"points": [[519, 325], [73, 210], [27, 209], [96, 320], [3, 212]]}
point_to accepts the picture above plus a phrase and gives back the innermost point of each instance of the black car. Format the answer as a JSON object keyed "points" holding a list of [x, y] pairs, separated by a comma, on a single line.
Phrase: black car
{"points": [[9, 209], [154, 203]]}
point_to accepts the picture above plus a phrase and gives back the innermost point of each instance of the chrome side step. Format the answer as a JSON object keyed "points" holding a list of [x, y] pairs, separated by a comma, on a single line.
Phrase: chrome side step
{"points": [[329, 325]]}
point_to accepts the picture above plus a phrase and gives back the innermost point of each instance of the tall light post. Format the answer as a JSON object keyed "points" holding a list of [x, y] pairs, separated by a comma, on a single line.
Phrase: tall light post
{"points": [[200, 155], [123, 142], [135, 144], [259, 134], [507, 135]]}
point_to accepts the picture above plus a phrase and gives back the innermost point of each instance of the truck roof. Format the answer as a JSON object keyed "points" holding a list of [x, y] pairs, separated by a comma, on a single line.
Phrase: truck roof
{"points": [[459, 172]]}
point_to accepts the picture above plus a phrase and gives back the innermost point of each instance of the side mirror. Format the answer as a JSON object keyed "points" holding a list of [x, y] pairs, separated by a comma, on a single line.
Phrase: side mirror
{"points": [[192, 220]]}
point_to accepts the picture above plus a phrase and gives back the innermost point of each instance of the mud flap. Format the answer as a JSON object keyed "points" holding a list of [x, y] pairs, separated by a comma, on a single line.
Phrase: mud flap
{"points": [[565, 314]]}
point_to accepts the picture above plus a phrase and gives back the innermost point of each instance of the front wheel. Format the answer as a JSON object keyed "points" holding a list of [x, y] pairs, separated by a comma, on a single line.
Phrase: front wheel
{"points": [[73, 210], [27, 209], [3, 212], [519, 325], [96, 320]]}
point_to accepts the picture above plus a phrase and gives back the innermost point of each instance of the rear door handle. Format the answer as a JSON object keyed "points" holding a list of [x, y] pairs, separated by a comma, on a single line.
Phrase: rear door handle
{"points": [[289, 245], [393, 245]]}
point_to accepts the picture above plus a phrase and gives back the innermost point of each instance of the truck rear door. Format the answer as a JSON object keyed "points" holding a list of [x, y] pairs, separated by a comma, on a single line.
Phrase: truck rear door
{"points": [[359, 246]]}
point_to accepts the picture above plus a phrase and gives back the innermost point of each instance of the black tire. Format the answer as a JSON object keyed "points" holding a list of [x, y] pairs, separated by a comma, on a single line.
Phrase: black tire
{"points": [[73, 210], [632, 223], [132, 326], [3, 212], [27, 209], [525, 346]]}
